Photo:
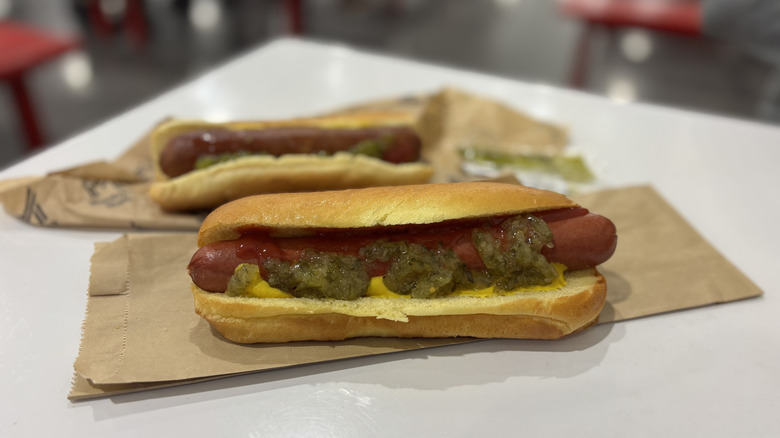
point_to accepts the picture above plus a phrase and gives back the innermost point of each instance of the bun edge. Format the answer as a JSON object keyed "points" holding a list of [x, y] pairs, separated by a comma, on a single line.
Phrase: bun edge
{"points": [[525, 315]]}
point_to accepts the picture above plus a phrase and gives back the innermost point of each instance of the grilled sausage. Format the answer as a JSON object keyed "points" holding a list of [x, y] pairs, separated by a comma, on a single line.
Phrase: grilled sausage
{"points": [[580, 240], [183, 151]]}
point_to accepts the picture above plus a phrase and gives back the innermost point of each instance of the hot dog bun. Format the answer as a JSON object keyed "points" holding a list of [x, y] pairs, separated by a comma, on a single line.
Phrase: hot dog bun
{"points": [[220, 183], [532, 315], [525, 315]]}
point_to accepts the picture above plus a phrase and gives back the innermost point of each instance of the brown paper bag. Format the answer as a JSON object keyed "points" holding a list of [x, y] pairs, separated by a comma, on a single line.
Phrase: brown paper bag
{"points": [[98, 194], [140, 309], [452, 119]]}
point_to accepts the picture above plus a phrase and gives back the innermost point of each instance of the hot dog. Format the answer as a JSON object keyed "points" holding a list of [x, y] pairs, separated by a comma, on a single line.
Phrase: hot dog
{"points": [[435, 260], [200, 165]]}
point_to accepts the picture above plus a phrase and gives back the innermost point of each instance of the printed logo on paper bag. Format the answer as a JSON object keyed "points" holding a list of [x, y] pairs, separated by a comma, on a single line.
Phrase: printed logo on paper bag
{"points": [[107, 193], [33, 210], [145, 171]]}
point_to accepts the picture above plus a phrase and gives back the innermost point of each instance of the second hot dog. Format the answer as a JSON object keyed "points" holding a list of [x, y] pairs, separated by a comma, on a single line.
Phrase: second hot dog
{"points": [[201, 165]]}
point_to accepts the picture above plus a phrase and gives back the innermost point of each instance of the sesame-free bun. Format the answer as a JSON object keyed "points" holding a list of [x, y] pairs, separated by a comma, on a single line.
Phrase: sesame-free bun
{"points": [[220, 183], [523, 315], [541, 314], [300, 214]]}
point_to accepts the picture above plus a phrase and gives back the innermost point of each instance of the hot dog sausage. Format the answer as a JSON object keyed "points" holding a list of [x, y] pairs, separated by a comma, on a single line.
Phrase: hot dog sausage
{"points": [[183, 151], [581, 240]]}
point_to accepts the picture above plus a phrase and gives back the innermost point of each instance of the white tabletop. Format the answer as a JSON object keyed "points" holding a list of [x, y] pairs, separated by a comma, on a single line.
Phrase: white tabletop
{"points": [[712, 371]]}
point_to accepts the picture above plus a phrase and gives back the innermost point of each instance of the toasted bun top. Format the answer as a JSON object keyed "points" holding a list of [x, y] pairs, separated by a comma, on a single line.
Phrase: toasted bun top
{"points": [[299, 214]]}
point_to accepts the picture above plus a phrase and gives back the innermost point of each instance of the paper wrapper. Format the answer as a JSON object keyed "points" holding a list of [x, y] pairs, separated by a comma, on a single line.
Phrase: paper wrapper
{"points": [[115, 194], [95, 195], [452, 119], [141, 331]]}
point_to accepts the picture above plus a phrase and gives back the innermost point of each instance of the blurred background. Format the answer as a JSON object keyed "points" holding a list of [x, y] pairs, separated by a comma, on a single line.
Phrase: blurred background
{"points": [[68, 65]]}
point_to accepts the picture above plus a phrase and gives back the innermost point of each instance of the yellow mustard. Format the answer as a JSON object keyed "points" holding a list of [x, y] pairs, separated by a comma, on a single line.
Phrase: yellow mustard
{"points": [[376, 288]]}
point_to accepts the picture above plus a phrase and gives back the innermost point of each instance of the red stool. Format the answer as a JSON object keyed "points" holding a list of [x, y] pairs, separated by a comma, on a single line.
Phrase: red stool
{"points": [[22, 48], [674, 16], [294, 16], [133, 20]]}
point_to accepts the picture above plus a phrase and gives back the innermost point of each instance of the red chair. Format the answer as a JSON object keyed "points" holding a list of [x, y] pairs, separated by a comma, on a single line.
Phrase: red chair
{"points": [[21, 49], [674, 16]]}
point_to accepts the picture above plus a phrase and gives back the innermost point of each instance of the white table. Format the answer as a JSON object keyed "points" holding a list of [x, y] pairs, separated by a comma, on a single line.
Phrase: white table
{"points": [[712, 371]]}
